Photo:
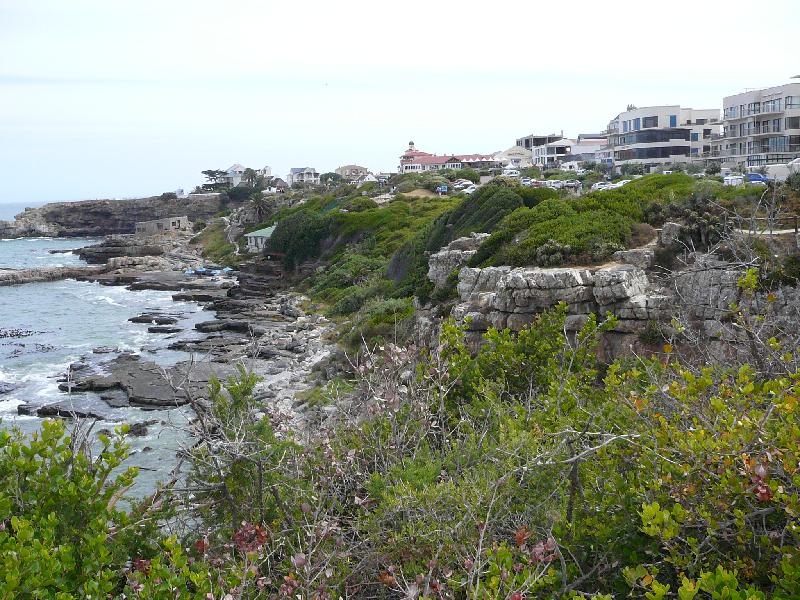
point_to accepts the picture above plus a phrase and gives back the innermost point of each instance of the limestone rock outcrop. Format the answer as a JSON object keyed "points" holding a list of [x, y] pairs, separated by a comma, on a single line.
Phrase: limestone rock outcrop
{"points": [[505, 297], [453, 256]]}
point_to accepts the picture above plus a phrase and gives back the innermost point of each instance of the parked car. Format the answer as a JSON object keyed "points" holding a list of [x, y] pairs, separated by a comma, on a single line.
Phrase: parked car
{"points": [[510, 173], [525, 181], [470, 189], [733, 180], [600, 185], [756, 179]]}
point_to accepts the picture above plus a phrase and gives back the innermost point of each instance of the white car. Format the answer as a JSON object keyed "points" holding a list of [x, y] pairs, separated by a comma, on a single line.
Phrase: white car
{"points": [[600, 185], [470, 189], [510, 173]]}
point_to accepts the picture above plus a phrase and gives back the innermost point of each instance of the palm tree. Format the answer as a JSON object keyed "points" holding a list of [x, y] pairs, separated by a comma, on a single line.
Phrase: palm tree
{"points": [[250, 176], [260, 207]]}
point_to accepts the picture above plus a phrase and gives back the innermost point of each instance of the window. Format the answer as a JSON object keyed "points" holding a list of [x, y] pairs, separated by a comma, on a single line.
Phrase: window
{"points": [[792, 123], [673, 120], [776, 125], [650, 122], [792, 102], [695, 137], [701, 121], [637, 124], [624, 127]]}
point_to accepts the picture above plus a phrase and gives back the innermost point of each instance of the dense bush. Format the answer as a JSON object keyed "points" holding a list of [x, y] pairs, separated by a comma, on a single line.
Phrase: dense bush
{"points": [[299, 236], [524, 469], [554, 232]]}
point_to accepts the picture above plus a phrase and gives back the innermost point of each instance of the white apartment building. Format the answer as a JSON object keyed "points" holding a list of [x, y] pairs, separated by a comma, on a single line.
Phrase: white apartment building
{"points": [[657, 135], [552, 153], [762, 127]]}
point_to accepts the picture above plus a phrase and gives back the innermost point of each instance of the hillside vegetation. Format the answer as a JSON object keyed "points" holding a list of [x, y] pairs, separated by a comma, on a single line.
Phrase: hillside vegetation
{"points": [[525, 471], [376, 257]]}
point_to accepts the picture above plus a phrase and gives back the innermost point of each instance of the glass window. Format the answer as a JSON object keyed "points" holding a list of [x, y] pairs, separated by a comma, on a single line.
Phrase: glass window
{"points": [[673, 120], [637, 123], [650, 121], [695, 137], [776, 124], [792, 123]]}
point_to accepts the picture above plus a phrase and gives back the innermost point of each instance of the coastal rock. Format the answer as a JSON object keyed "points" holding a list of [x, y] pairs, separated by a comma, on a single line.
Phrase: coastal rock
{"points": [[452, 257], [7, 387], [163, 329], [638, 257], [105, 217], [503, 297], [20, 276], [148, 385]]}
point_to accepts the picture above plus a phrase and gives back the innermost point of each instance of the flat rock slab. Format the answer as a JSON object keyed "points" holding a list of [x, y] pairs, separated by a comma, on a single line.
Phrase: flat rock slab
{"points": [[146, 384], [67, 409], [163, 329]]}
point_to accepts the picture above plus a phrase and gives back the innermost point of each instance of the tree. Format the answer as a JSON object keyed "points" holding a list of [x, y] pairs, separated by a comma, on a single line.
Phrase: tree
{"points": [[215, 179], [793, 181], [330, 179], [250, 177], [713, 168]]}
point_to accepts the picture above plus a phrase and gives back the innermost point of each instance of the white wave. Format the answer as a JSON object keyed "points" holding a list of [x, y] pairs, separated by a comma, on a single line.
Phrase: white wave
{"points": [[108, 300]]}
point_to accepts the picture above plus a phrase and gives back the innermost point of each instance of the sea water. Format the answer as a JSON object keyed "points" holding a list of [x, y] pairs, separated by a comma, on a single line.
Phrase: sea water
{"points": [[44, 327]]}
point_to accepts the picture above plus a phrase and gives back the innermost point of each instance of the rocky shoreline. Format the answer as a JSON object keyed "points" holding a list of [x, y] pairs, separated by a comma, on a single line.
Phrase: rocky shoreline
{"points": [[256, 325]]}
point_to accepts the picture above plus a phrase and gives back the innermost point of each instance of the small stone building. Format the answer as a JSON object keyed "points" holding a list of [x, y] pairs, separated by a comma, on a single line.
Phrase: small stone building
{"points": [[162, 225]]}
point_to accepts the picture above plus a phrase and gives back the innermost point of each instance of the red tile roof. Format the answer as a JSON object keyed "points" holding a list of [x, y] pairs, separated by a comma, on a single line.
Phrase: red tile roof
{"points": [[435, 160]]}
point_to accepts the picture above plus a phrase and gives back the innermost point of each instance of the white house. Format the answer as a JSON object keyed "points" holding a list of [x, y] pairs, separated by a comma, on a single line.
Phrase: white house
{"points": [[233, 175], [304, 175]]}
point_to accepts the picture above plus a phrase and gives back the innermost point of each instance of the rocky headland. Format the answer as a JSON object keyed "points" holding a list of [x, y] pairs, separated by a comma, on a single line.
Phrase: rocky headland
{"points": [[92, 218]]}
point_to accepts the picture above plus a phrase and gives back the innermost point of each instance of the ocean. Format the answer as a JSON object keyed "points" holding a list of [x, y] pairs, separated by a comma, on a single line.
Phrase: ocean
{"points": [[9, 210], [44, 327]]}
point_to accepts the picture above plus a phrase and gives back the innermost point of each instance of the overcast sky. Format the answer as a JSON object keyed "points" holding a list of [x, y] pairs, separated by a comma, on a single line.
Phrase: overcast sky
{"points": [[107, 99]]}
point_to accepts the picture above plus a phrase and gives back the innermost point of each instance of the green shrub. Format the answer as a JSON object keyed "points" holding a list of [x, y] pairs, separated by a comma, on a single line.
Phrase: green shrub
{"points": [[359, 204], [299, 235], [380, 321]]}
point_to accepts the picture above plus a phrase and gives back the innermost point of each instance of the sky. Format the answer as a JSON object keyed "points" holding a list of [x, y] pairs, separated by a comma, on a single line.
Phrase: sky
{"points": [[127, 98]]}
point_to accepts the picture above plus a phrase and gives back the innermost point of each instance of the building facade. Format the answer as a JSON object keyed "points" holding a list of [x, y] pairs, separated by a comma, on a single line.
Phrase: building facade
{"points": [[552, 153], [352, 172], [417, 161], [302, 175], [257, 240], [762, 127], [529, 142], [656, 135]]}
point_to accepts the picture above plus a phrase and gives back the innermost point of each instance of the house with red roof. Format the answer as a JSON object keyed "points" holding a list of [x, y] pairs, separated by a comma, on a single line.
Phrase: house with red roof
{"points": [[417, 161]]}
